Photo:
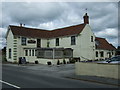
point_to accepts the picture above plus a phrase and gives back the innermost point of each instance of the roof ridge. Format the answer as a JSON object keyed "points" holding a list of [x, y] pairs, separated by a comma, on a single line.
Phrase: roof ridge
{"points": [[46, 29], [28, 28], [100, 37], [71, 30], [67, 27]]}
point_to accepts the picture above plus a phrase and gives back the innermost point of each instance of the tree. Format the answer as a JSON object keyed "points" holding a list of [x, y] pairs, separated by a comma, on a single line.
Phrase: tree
{"points": [[118, 50], [4, 54]]}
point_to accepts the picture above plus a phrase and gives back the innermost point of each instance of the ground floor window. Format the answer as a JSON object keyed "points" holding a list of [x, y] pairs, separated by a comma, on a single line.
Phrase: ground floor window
{"points": [[68, 53], [33, 52], [40, 54], [96, 53], [29, 52], [102, 54], [26, 52], [55, 53], [10, 53], [112, 53], [109, 54]]}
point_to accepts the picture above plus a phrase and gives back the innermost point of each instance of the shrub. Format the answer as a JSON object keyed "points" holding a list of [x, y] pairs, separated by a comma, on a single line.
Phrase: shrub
{"points": [[64, 61], [36, 62], [58, 62], [49, 63], [72, 60]]}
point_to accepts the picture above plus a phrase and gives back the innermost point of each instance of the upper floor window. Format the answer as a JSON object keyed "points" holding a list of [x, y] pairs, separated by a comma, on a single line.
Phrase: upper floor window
{"points": [[73, 40], [38, 42], [23, 40], [91, 38], [48, 44], [57, 41]]}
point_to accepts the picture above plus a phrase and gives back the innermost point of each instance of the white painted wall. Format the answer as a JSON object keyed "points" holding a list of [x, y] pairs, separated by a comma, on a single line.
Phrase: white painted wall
{"points": [[105, 53], [87, 47], [84, 47], [44, 43], [94, 69], [9, 41]]}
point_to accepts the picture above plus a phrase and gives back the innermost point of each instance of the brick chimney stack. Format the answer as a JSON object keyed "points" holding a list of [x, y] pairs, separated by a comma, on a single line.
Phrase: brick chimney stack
{"points": [[86, 19]]}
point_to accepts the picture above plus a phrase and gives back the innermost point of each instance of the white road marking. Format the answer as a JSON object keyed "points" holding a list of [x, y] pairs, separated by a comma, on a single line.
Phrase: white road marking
{"points": [[9, 84]]}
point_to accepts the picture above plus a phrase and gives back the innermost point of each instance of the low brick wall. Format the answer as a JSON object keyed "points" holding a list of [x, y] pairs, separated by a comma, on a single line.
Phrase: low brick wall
{"points": [[94, 69]]}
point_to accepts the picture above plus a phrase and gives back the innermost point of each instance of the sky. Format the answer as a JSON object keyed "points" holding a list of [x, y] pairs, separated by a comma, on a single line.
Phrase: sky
{"points": [[103, 17]]}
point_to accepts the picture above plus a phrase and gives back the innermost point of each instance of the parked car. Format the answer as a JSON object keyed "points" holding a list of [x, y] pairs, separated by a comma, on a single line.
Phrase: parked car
{"points": [[115, 59]]}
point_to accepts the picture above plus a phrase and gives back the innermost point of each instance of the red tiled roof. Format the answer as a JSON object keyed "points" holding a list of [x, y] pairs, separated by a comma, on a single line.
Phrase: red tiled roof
{"points": [[103, 44], [29, 32], [40, 33], [72, 30]]}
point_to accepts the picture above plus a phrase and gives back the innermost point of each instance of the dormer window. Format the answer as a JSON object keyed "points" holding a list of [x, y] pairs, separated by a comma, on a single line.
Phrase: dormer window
{"points": [[23, 40]]}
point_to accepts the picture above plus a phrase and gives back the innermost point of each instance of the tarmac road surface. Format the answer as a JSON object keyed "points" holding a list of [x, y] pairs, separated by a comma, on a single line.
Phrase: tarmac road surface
{"points": [[24, 77]]}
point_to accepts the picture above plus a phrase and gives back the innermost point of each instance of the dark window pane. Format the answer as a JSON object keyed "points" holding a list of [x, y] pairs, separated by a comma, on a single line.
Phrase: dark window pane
{"points": [[29, 52], [40, 54], [35, 52], [102, 54], [91, 38], [32, 52], [23, 41], [57, 41], [73, 40], [96, 54], [26, 52], [38, 42], [10, 53]]}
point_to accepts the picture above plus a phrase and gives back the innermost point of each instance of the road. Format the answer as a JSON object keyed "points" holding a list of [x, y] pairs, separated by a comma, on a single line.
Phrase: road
{"points": [[22, 77]]}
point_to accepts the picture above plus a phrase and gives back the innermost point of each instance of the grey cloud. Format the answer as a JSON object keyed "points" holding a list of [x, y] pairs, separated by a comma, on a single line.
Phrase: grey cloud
{"points": [[32, 13], [57, 15]]}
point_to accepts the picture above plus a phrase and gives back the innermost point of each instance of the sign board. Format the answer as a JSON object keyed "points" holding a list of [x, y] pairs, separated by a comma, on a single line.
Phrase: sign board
{"points": [[31, 41]]}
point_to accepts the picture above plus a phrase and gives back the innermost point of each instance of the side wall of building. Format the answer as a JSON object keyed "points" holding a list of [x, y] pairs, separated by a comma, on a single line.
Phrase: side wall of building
{"points": [[84, 48], [9, 41], [106, 54], [87, 44]]}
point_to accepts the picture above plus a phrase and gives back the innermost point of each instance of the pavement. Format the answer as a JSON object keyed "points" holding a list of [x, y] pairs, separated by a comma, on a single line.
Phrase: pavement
{"points": [[68, 71]]}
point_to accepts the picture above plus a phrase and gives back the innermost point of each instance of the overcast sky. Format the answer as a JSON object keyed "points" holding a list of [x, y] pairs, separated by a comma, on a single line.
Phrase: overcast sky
{"points": [[51, 15]]}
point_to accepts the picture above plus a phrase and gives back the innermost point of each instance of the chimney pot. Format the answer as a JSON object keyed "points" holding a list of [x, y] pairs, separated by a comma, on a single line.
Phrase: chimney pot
{"points": [[20, 24]]}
